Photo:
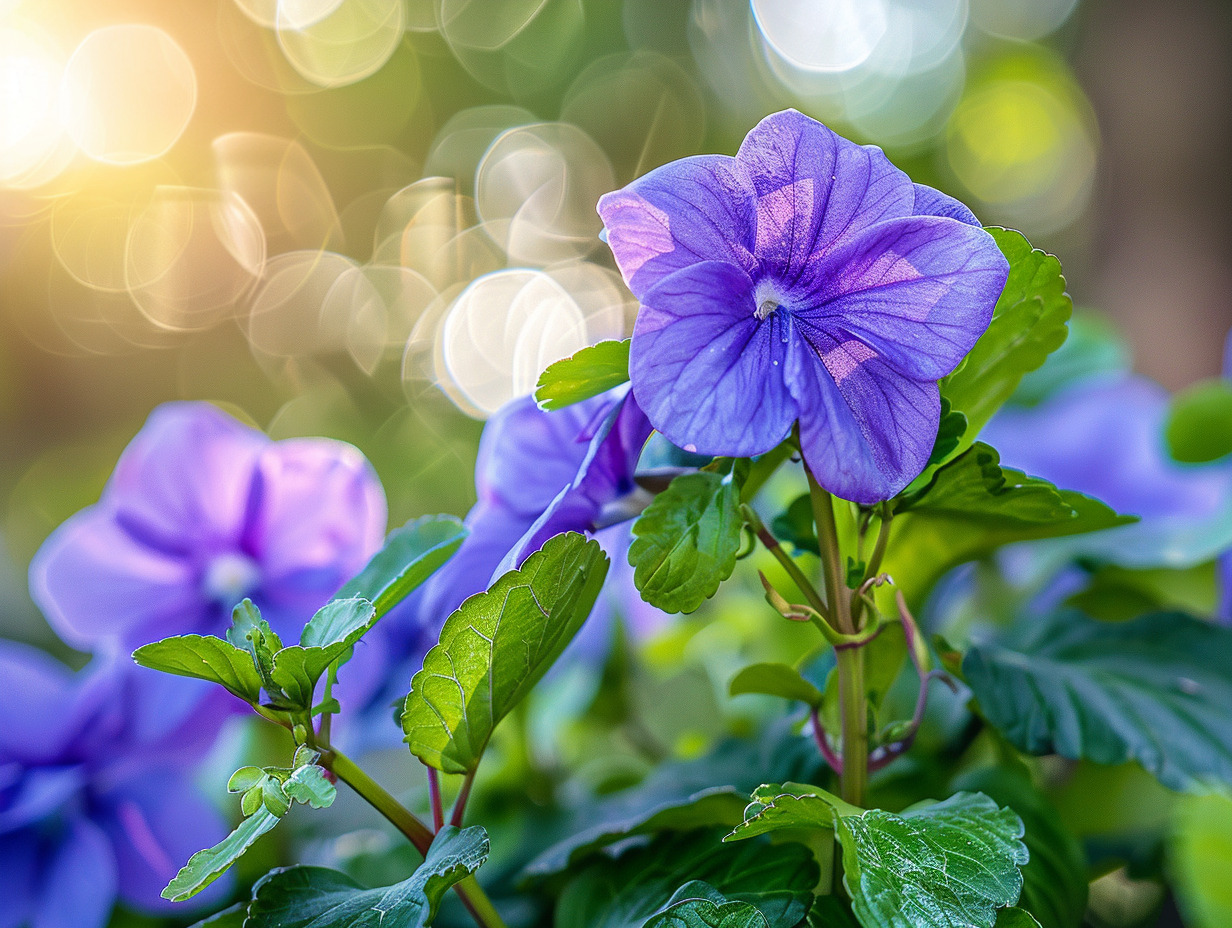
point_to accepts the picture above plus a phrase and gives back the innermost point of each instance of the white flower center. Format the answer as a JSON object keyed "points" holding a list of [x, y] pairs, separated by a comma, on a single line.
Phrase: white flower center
{"points": [[230, 577]]}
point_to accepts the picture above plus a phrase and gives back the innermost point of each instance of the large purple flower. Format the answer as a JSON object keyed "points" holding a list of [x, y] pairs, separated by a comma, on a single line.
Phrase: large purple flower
{"points": [[96, 794], [200, 512], [806, 279]]}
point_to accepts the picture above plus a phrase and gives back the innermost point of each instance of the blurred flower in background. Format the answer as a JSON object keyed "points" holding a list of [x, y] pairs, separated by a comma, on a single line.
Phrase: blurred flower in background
{"points": [[96, 792], [201, 513]]}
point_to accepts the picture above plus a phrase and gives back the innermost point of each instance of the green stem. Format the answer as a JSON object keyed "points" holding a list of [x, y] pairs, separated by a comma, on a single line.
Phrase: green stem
{"points": [[379, 798], [831, 565], [478, 903], [874, 562], [789, 563], [854, 718], [853, 705], [331, 677]]}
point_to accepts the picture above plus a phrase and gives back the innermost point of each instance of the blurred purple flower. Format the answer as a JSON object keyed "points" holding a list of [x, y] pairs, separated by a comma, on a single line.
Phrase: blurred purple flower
{"points": [[538, 474], [96, 794], [807, 279], [201, 512], [1104, 436]]}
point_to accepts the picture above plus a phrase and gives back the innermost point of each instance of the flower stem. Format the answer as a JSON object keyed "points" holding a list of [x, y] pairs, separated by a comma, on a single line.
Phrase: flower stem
{"points": [[852, 697], [854, 716], [434, 796], [786, 560], [831, 565], [874, 561], [376, 796], [459, 805]]}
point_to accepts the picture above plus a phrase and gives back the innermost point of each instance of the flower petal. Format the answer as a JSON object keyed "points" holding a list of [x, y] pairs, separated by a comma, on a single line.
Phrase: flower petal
{"points": [[866, 431], [931, 202], [19, 857], [99, 587], [36, 728], [815, 189], [526, 455], [696, 209], [182, 482], [79, 885], [317, 514], [918, 291], [708, 373], [155, 823]]}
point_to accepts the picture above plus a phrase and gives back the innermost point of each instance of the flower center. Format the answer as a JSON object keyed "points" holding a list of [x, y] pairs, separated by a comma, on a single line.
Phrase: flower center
{"points": [[230, 577], [765, 308]]}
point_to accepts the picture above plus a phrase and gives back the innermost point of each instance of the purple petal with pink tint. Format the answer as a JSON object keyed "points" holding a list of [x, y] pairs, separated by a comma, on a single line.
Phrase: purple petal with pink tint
{"points": [[696, 209], [919, 292], [815, 190]]}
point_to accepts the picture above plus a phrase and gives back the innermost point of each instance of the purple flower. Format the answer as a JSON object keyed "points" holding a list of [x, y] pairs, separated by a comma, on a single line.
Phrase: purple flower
{"points": [[538, 474], [96, 795], [806, 279], [1104, 436], [200, 512]]}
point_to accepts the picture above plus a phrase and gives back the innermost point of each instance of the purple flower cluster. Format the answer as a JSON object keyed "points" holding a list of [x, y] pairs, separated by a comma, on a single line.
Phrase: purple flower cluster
{"points": [[96, 796], [806, 279], [96, 791]]}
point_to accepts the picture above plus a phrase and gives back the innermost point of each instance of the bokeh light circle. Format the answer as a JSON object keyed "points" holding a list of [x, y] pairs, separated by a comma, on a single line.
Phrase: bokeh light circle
{"points": [[536, 190], [1023, 143], [127, 94], [499, 335], [30, 129], [822, 35], [351, 41]]}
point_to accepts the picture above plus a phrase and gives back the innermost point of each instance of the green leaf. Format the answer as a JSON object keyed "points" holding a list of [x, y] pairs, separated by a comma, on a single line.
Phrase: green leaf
{"points": [[775, 680], [1028, 324], [711, 790], [315, 897], [971, 507], [1055, 878], [622, 893], [410, 556], [250, 632], [495, 647], [934, 866], [776, 807], [245, 779], [1156, 690], [587, 373], [1200, 860], [1199, 427], [338, 624], [206, 658], [795, 525], [204, 867], [274, 797], [950, 430], [702, 913], [686, 541], [976, 487], [310, 786]]}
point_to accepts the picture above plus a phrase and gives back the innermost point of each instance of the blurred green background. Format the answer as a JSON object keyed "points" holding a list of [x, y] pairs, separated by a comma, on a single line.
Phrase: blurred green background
{"points": [[374, 219]]}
